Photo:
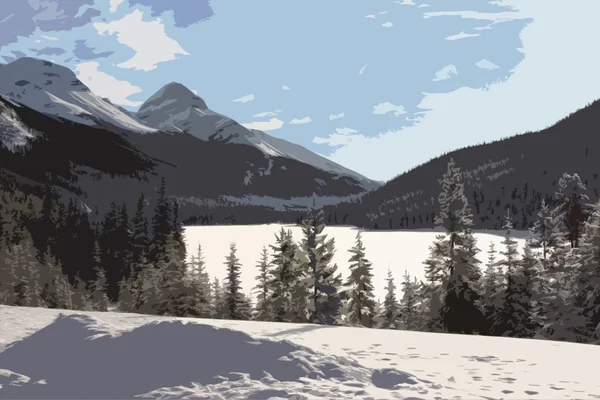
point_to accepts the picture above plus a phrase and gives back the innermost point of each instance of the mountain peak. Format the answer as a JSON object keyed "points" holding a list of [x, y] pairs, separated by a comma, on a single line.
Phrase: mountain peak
{"points": [[171, 93]]}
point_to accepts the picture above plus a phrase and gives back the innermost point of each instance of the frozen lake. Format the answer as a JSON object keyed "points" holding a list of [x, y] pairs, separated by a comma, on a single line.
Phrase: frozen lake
{"points": [[397, 250]]}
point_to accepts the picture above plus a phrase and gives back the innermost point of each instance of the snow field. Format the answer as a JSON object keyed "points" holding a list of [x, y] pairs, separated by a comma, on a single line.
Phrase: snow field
{"points": [[398, 250], [79, 355]]}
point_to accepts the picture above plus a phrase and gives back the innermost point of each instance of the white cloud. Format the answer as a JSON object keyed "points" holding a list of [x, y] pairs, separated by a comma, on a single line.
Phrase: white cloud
{"points": [[529, 97], [500, 16], [105, 85], [482, 28], [371, 16], [270, 125], [333, 117], [486, 64], [284, 87], [244, 99], [341, 137], [300, 121], [424, 5], [49, 37], [462, 35], [114, 5], [362, 69], [384, 108], [38, 41], [148, 39], [445, 73], [408, 3], [383, 12], [387, 24], [267, 114]]}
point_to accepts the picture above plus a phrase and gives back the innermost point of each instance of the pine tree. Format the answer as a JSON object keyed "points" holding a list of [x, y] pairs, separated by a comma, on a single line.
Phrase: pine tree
{"points": [[492, 286], [282, 276], [572, 213], [234, 300], [517, 316], [409, 304], [460, 312], [200, 285], [390, 317], [219, 306], [436, 279], [139, 240], [161, 226], [359, 287], [263, 311], [543, 231], [175, 295]]}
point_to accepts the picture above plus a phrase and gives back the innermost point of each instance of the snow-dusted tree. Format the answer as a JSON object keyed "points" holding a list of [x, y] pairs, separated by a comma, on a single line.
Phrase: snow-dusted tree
{"points": [[517, 316], [81, 296], [543, 231], [161, 225], [587, 298], [234, 298], [175, 294], [200, 284], [436, 279], [98, 288], [359, 287], [218, 301], [455, 213], [390, 317], [282, 276], [263, 311], [572, 212], [492, 286], [409, 304]]}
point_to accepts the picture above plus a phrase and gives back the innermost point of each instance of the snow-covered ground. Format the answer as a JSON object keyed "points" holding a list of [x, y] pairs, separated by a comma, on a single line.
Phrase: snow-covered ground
{"points": [[397, 250], [76, 355]]}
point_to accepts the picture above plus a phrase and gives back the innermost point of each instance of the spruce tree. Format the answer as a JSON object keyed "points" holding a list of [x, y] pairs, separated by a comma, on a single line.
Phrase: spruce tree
{"points": [[175, 296], [409, 311], [390, 317], [234, 299], [492, 286], [571, 211], [359, 287], [436, 279], [201, 285], [282, 276], [263, 311], [139, 240], [218, 303], [161, 226]]}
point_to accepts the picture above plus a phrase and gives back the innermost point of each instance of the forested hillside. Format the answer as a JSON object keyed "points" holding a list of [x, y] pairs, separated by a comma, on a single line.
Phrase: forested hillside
{"points": [[517, 173]]}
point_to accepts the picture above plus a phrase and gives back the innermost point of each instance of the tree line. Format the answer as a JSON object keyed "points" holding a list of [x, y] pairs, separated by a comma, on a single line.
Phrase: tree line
{"points": [[52, 256]]}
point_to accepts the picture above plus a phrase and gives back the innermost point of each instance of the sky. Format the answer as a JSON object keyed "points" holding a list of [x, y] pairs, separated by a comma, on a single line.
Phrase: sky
{"points": [[377, 86]]}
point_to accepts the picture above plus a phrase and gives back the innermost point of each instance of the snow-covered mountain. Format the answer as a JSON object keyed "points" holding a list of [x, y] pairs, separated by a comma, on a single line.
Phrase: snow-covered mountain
{"points": [[55, 90], [218, 170], [175, 108]]}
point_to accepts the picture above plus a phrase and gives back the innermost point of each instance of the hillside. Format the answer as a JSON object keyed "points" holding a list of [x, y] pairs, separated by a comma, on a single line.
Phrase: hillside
{"points": [[112, 355], [516, 172]]}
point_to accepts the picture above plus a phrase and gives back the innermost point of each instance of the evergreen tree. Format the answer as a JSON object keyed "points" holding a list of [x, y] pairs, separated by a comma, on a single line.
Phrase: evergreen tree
{"points": [[263, 311], [161, 225], [175, 296], [219, 306], [201, 285], [390, 317], [409, 304], [282, 276], [359, 287], [234, 299], [543, 231], [139, 239], [492, 287], [436, 279], [571, 192], [517, 316]]}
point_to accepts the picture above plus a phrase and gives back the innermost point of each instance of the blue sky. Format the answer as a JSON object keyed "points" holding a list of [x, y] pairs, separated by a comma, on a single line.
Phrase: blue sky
{"points": [[377, 86]]}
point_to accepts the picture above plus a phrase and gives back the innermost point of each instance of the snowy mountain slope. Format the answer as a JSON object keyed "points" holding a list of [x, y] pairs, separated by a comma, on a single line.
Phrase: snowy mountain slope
{"points": [[113, 355], [14, 134], [175, 108], [55, 90]]}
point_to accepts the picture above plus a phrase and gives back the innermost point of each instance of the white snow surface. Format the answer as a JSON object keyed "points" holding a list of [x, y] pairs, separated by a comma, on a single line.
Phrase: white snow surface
{"points": [[398, 250], [55, 90], [14, 135], [74, 355]]}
